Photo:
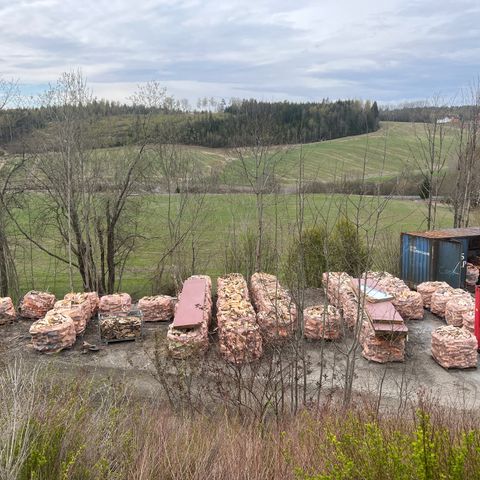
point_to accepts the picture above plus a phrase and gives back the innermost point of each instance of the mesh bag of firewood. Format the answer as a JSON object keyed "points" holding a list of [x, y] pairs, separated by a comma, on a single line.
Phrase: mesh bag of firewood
{"points": [[454, 347], [427, 289], [334, 283], [120, 327], [186, 342], [322, 322], [468, 320], [158, 308], [36, 304], [381, 349], [81, 298], [276, 312], [409, 304], [94, 302], [472, 274], [77, 309], [456, 307], [441, 297], [239, 335], [7, 311], [116, 303], [387, 283], [53, 333]]}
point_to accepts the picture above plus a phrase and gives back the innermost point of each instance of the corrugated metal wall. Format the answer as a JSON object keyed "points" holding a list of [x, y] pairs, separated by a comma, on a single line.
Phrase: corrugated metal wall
{"points": [[416, 263]]}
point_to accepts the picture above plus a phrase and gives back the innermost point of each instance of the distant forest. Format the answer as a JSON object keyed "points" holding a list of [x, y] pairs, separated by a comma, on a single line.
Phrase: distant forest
{"points": [[240, 123], [422, 113]]}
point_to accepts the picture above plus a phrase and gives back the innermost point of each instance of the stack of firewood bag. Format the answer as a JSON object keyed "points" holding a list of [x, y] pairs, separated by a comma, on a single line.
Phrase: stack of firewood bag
{"points": [[409, 304], [159, 308], [468, 320], [53, 333], [94, 302], [77, 309], [454, 347], [427, 289], [456, 307], [120, 327], [322, 322], [186, 342], [35, 304], [116, 303], [83, 299], [441, 297], [7, 311], [381, 349], [334, 283], [239, 335], [276, 312], [472, 275]]}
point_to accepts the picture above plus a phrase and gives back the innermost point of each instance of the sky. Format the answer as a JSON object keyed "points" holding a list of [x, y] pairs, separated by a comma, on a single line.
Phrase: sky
{"points": [[391, 51]]}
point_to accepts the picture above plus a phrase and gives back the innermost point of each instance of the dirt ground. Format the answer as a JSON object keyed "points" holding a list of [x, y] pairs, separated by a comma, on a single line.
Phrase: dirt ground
{"points": [[397, 381]]}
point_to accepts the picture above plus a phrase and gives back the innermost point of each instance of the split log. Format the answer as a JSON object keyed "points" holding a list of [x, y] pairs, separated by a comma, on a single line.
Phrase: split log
{"points": [[322, 322], [158, 308], [114, 304], [35, 304], [239, 335], [381, 349], [441, 297], [120, 327], [427, 289], [456, 307], [7, 311], [78, 309], [53, 333], [454, 347], [276, 312]]}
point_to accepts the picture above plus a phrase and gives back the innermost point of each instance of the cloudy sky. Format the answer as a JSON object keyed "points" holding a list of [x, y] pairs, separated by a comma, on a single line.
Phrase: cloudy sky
{"points": [[389, 50]]}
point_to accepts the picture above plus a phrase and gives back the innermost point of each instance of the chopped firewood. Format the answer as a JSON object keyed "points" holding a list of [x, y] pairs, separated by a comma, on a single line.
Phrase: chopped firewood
{"points": [[381, 349], [456, 307], [409, 304], [159, 308], [36, 304], [441, 297], [454, 347], [322, 322], [77, 309], [276, 312], [472, 274], [186, 342], [427, 289], [53, 333], [7, 311], [115, 303], [239, 334], [120, 327], [334, 283], [77, 299], [468, 320]]}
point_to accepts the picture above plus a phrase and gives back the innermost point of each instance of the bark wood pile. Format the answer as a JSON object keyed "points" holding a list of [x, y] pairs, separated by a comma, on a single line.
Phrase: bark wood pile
{"points": [[158, 308], [322, 322], [7, 311], [77, 309], [35, 304], [53, 333], [456, 307], [185, 342], [381, 349], [276, 312], [472, 274], [239, 335], [427, 289], [120, 327], [408, 303], [441, 297], [115, 303], [454, 347]]}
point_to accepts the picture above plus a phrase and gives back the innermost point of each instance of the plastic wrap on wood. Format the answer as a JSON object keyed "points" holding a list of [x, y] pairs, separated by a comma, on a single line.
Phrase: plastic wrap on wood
{"points": [[53, 333], [456, 307], [158, 308], [7, 311], [322, 322], [276, 312], [427, 289], [381, 349], [454, 347], [35, 304], [115, 303], [239, 335]]}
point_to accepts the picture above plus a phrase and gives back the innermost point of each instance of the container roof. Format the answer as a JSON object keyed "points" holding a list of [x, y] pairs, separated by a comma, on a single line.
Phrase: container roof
{"points": [[449, 233]]}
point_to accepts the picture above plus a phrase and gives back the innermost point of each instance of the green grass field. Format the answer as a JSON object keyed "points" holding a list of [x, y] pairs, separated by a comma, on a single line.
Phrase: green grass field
{"points": [[222, 215]]}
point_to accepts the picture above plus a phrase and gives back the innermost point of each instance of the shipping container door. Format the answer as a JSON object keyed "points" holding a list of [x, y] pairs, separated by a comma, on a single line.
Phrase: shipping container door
{"points": [[450, 262]]}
